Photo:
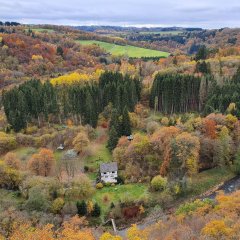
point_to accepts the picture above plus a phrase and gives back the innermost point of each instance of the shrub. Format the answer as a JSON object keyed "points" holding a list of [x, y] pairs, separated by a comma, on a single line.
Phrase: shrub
{"points": [[57, 205], [159, 183], [99, 185], [38, 200], [12, 161], [80, 188], [191, 207], [152, 127], [86, 168], [165, 121], [7, 142], [31, 130], [112, 205], [120, 180], [9, 178]]}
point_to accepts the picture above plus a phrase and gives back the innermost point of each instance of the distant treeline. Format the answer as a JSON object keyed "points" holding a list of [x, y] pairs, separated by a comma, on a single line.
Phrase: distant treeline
{"points": [[39, 102], [158, 37], [145, 59], [9, 23], [134, 29]]}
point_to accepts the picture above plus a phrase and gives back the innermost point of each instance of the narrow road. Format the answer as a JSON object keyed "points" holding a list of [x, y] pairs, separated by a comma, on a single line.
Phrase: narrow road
{"points": [[228, 187]]}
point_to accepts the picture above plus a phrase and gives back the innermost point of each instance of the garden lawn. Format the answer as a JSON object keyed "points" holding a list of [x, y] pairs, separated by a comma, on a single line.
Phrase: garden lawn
{"points": [[105, 196], [100, 155], [131, 51]]}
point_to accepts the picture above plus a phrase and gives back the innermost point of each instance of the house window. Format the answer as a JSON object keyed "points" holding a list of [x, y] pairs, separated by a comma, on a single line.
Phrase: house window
{"points": [[105, 173], [113, 172]]}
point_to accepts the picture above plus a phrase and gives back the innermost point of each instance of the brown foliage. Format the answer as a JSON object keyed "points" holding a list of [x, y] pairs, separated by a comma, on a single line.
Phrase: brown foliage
{"points": [[12, 161], [42, 163]]}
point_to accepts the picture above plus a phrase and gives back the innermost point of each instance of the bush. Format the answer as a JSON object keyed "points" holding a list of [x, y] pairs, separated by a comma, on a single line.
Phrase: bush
{"points": [[7, 142], [188, 208], [9, 178], [31, 130], [12, 161], [80, 188], [152, 127], [57, 205], [99, 185], [159, 183], [38, 200], [120, 180], [86, 168]]}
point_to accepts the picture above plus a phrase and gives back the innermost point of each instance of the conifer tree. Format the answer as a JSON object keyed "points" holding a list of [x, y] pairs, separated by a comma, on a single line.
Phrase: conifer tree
{"points": [[113, 139], [96, 210], [81, 208], [126, 125]]}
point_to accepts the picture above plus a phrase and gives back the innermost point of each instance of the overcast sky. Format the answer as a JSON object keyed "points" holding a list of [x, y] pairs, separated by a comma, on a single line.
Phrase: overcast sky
{"points": [[191, 13]]}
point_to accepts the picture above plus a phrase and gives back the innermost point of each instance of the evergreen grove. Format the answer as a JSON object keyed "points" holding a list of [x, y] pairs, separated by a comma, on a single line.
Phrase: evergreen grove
{"points": [[177, 93], [35, 101]]}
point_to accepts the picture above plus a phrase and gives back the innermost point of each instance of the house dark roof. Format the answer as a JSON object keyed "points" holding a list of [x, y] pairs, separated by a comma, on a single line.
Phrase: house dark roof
{"points": [[108, 167]]}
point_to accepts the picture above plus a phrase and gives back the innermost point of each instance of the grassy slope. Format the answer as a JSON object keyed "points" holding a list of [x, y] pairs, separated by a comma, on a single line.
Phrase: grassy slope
{"points": [[210, 178], [131, 51]]}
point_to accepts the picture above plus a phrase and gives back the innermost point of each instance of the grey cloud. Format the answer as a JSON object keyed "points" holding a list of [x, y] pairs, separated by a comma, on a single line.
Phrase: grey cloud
{"points": [[204, 13]]}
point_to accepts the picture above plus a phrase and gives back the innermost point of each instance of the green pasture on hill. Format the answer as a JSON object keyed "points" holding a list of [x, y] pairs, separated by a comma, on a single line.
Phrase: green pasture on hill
{"points": [[131, 51]]}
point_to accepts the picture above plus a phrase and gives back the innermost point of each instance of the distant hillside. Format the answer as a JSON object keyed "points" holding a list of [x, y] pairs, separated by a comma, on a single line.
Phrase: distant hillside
{"points": [[134, 29]]}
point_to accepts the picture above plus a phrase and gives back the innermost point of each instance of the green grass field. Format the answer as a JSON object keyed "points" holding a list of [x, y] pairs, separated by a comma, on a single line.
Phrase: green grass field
{"points": [[131, 51], [105, 196]]}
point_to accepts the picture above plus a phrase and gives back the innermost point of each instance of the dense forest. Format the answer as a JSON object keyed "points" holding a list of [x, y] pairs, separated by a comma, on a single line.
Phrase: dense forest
{"points": [[82, 102], [175, 93]]}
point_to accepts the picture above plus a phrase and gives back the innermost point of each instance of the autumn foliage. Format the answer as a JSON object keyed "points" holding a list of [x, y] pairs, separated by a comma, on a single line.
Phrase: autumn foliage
{"points": [[42, 163]]}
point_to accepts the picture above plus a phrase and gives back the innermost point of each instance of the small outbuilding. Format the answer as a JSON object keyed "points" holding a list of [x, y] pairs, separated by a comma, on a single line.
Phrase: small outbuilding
{"points": [[109, 172]]}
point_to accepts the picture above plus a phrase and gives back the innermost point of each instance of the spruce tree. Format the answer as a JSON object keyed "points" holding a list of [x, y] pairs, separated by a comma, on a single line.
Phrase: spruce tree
{"points": [[81, 208], [126, 124], [113, 139], [202, 53], [96, 210], [114, 122], [59, 51]]}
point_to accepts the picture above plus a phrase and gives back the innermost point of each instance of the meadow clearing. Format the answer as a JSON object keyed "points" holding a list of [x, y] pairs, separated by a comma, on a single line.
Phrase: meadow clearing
{"points": [[130, 51]]}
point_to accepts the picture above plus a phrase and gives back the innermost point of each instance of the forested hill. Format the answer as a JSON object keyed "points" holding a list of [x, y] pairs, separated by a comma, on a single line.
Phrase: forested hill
{"points": [[95, 28]]}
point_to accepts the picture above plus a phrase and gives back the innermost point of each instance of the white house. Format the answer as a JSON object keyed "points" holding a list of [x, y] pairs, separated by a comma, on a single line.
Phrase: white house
{"points": [[109, 172]]}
